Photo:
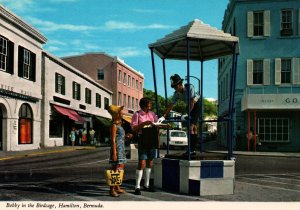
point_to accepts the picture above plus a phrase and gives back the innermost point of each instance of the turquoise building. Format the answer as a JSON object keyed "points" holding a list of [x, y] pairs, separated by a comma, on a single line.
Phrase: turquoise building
{"points": [[267, 96]]}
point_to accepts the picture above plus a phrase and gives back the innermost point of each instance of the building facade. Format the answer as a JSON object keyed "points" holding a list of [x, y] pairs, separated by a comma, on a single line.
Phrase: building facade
{"points": [[41, 96], [20, 86], [114, 74], [71, 99], [267, 97]]}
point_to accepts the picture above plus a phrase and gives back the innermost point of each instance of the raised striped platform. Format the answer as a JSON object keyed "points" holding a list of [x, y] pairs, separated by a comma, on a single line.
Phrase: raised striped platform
{"points": [[195, 177]]}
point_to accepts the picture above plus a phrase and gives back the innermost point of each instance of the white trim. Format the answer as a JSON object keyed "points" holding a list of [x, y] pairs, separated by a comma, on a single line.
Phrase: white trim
{"points": [[4, 54], [15, 20], [262, 125]]}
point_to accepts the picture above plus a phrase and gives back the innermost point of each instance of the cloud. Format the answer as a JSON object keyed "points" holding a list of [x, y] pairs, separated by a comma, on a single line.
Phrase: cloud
{"points": [[19, 5], [115, 25], [51, 26], [47, 26], [23, 7], [52, 49], [61, 1], [125, 52], [56, 42], [149, 11]]}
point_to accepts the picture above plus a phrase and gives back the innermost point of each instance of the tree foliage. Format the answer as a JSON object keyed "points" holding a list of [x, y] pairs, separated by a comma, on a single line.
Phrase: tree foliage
{"points": [[161, 101], [210, 108]]}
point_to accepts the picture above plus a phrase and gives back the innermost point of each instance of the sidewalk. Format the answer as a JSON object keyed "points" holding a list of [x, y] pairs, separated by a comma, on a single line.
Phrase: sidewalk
{"points": [[47, 150], [213, 147]]}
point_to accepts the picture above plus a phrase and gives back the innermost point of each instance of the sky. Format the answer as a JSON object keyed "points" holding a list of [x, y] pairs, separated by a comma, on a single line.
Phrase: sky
{"points": [[122, 28]]}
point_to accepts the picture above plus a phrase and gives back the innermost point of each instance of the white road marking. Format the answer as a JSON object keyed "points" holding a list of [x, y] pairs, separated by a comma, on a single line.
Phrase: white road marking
{"points": [[264, 180], [283, 178], [271, 187], [170, 194]]}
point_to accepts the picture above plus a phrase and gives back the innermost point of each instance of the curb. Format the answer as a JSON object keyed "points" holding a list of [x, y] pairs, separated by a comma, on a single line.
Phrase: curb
{"points": [[46, 151], [261, 154]]}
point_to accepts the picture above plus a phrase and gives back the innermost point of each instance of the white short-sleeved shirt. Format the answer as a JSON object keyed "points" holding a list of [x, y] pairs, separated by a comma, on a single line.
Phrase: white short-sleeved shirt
{"points": [[183, 95]]}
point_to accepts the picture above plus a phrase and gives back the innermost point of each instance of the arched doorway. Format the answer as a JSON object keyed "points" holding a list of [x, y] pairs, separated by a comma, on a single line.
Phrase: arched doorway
{"points": [[25, 125], [1, 129]]}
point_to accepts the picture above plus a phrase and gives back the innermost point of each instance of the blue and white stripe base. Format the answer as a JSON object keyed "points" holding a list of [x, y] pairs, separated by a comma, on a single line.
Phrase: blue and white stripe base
{"points": [[195, 177]]}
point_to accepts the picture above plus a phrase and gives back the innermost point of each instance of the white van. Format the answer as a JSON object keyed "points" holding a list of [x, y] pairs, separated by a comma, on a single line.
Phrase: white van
{"points": [[176, 138]]}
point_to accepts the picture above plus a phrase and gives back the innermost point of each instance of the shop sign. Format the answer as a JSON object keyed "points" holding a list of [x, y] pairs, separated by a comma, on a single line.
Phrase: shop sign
{"points": [[271, 101], [9, 93]]}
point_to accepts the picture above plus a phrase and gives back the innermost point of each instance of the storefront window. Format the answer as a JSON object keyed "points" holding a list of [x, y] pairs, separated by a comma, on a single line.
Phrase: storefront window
{"points": [[25, 124], [273, 129]]}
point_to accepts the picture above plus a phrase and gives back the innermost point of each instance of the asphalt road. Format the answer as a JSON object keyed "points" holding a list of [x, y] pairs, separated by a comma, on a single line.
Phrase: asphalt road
{"points": [[78, 175]]}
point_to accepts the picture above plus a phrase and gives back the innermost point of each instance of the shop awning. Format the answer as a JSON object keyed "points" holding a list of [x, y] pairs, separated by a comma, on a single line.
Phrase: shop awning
{"points": [[106, 122], [127, 118], [72, 114]]}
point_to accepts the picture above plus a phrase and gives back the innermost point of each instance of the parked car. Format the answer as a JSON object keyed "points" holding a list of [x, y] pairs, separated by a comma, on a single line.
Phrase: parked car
{"points": [[176, 138]]}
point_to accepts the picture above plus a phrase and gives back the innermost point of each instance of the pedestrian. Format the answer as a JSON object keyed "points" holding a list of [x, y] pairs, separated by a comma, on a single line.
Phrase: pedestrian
{"points": [[181, 93], [84, 136], [78, 136], [73, 136], [142, 118], [117, 152], [91, 135]]}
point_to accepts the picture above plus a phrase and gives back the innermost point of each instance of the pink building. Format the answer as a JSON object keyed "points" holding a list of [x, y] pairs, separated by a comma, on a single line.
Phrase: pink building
{"points": [[114, 74]]}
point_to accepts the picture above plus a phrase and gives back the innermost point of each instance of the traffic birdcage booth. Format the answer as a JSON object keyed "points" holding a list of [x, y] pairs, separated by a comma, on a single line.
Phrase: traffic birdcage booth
{"points": [[196, 42]]}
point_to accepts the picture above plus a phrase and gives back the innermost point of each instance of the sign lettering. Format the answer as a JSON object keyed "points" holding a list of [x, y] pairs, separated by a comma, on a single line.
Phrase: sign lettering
{"points": [[291, 100]]}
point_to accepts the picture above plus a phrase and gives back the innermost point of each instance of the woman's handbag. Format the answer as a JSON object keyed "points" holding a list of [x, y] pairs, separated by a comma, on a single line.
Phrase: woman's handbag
{"points": [[114, 178]]}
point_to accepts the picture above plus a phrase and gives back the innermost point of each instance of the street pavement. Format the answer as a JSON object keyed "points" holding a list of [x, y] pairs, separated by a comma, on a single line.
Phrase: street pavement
{"points": [[208, 146], [252, 183]]}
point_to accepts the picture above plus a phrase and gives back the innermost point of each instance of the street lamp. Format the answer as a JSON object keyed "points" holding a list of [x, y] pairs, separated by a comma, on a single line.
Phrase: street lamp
{"points": [[198, 82]]}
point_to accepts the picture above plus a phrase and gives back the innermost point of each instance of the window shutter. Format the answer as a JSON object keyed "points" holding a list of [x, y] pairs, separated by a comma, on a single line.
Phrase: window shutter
{"points": [[20, 61], [74, 90], [100, 101], [63, 89], [277, 71], [250, 24], [296, 70], [267, 23], [97, 100], [79, 91], [10, 57], [86, 95], [32, 75], [266, 71], [249, 72], [56, 82]]}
